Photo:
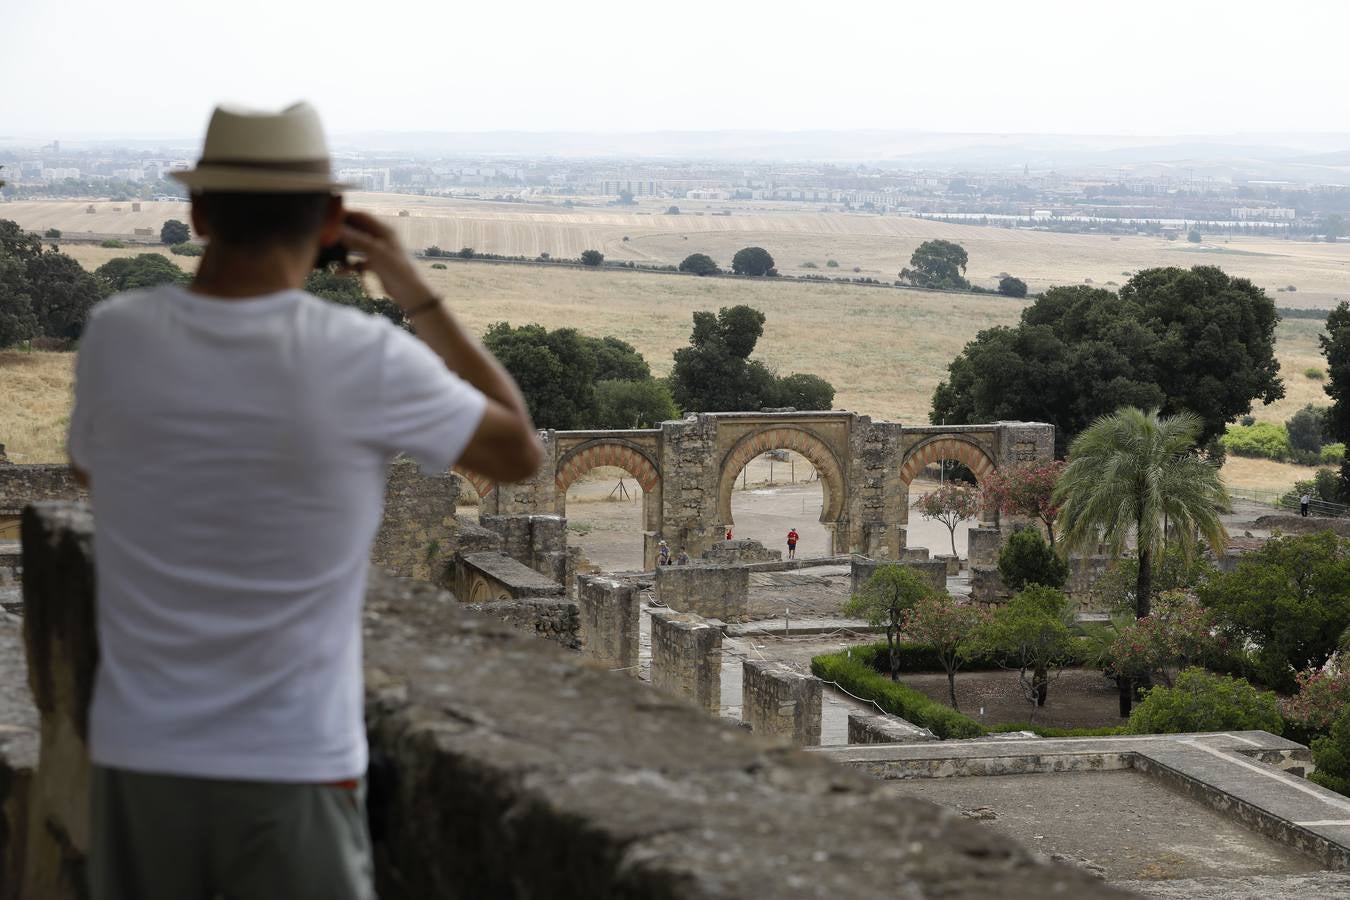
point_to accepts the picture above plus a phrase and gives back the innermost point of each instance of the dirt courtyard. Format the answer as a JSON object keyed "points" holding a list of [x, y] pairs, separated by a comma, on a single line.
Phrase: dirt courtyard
{"points": [[1078, 698]]}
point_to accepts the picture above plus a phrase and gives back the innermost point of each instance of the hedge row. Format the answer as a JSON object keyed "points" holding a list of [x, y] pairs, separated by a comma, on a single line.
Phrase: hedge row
{"points": [[855, 675], [916, 658]]}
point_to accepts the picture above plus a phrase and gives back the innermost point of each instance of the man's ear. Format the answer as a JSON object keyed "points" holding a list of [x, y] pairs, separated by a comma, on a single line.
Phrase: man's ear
{"points": [[332, 221]]}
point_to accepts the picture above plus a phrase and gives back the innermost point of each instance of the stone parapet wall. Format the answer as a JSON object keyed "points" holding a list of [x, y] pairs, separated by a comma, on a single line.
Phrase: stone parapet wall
{"points": [[912, 554], [557, 620], [418, 533], [934, 571], [780, 703], [610, 619], [489, 575], [24, 484], [687, 658], [714, 592], [18, 756], [884, 729], [538, 541], [728, 553], [506, 767]]}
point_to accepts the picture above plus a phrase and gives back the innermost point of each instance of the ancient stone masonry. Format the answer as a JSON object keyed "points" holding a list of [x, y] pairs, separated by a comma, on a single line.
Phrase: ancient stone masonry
{"points": [[780, 703], [687, 658], [933, 571], [610, 614], [688, 468], [715, 592], [24, 484], [18, 755], [505, 767], [537, 541], [983, 545], [554, 619], [740, 551], [885, 729], [419, 533], [487, 575]]}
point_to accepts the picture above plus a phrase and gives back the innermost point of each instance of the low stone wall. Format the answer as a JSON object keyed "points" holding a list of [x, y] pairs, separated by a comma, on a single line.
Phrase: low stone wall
{"points": [[728, 553], [1084, 573], [18, 756], [504, 767], [557, 620], [687, 658], [987, 587], [24, 484], [780, 703], [983, 545], [932, 571], [714, 592], [952, 562], [610, 614], [487, 576], [11, 563], [913, 554], [883, 729], [537, 541]]}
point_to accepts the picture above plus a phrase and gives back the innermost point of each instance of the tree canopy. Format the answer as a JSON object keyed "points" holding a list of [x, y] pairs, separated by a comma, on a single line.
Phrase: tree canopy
{"points": [[1335, 343], [43, 292], [699, 264], [753, 261], [938, 264], [1175, 339], [715, 374], [127, 273], [1009, 286], [174, 232]]}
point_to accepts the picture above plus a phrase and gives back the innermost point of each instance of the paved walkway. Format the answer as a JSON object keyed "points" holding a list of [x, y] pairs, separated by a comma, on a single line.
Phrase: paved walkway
{"points": [[1253, 775]]}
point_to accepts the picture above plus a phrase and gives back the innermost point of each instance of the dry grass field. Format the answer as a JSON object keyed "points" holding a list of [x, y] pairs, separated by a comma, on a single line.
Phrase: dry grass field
{"points": [[877, 245], [35, 401]]}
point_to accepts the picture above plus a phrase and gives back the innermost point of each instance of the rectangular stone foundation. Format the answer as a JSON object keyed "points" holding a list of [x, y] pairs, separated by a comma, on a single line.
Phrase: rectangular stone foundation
{"points": [[780, 703], [714, 592], [933, 571], [609, 623], [687, 658], [983, 544], [884, 729]]}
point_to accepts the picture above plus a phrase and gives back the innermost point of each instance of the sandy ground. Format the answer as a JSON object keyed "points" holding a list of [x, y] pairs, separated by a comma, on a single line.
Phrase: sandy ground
{"points": [[1123, 824], [1078, 698]]}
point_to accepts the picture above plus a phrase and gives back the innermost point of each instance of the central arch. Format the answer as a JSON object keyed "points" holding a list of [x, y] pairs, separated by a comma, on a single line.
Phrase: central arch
{"points": [[784, 437], [620, 454]]}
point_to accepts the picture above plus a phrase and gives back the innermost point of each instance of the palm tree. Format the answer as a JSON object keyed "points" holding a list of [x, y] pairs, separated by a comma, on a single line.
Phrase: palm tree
{"points": [[1137, 473]]}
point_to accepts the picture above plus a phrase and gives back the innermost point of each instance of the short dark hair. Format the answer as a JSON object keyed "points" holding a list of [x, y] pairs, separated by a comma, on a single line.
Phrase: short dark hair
{"points": [[255, 219]]}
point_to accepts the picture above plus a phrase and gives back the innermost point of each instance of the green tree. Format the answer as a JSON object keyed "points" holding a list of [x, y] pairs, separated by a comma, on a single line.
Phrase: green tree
{"points": [[468, 253], [1194, 236], [17, 321], [951, 504], [949, 628], [803, 391], [174, 232], [129, 273], [1335, 344], [592, 257], [1331, 756], [1306, 429], [1134, 474], [555, 371], [699, 264], [62, 293], [1175, 339], [883, 601], [753, 261], [1200, 701], [642, 403], [937, 264], [188, 249], [1009, 286], [348, 291], [1290, 600], [1026, 559], [1031, 631], [54, 233], [617, 360]]}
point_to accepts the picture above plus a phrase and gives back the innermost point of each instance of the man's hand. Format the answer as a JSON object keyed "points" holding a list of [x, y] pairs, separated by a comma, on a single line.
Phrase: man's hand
{"points": [[386, 257]]}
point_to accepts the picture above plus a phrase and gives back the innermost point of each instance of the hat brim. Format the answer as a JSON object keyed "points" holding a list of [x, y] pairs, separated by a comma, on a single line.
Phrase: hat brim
{"points": [[244, 178]]}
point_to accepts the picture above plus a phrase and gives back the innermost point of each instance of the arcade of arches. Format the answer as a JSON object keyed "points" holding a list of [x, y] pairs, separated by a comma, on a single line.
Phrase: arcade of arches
{"points": [[687, 470]]}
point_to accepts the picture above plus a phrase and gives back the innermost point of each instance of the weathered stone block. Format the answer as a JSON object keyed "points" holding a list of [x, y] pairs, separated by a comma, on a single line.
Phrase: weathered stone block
{"points": [[715, 592], [885, 729], [983, 545], [913, 554], [610, 613], [18, 755], [932, 571], [482, 577], [557, 620], [728, 553], [418, 533], [953, 563], [986, 585], [780, 703], [687, 658]]}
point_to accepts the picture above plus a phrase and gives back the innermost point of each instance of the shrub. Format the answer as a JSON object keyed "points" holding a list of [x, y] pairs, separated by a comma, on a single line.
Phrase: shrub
{"points": [[438, 265], [433, 251], [1009, 286], [1331, 756], [1201, 701], [1262, 440], [1027, 559], [1194, 237], [699, 264], [860, 679], [52, 233], [187, 249], [1316, 373], [466, 253], [809, 265], [1305, 428], [592, 257], [1331, 453], [1322, 694], [113, 243], [831, 263]]}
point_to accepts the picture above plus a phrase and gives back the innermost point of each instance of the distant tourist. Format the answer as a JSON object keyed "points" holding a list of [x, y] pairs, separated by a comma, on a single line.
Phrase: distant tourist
{"points": [[793, 537], [237, 499], [682, 559], [663, 554], [1303, 503], [728, 533]]}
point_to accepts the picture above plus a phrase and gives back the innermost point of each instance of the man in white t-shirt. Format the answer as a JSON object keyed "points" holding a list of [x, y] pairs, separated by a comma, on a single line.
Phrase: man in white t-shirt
{"points": [[234, 435]]}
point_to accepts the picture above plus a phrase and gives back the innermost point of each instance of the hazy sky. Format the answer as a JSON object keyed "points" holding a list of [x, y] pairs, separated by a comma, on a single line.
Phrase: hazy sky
{"points": [[74, 68]]}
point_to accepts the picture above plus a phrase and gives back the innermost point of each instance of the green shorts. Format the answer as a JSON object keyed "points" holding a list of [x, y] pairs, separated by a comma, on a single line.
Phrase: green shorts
{"points": [[169, 837]]}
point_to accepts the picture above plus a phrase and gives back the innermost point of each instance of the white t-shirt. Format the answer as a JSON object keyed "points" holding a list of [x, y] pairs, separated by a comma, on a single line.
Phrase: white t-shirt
{"points": [[237, 450]]}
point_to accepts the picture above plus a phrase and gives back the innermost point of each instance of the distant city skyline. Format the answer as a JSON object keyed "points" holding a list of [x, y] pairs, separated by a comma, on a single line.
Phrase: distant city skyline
{"points": [[1147, 68]]}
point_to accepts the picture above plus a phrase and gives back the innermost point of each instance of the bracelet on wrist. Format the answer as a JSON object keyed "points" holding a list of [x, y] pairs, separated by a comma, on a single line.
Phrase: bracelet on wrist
{"points": [[423, 307]]}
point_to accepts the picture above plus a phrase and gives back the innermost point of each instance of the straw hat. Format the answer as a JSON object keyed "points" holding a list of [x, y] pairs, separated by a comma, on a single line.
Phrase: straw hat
{"points": [[261, 151]]}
